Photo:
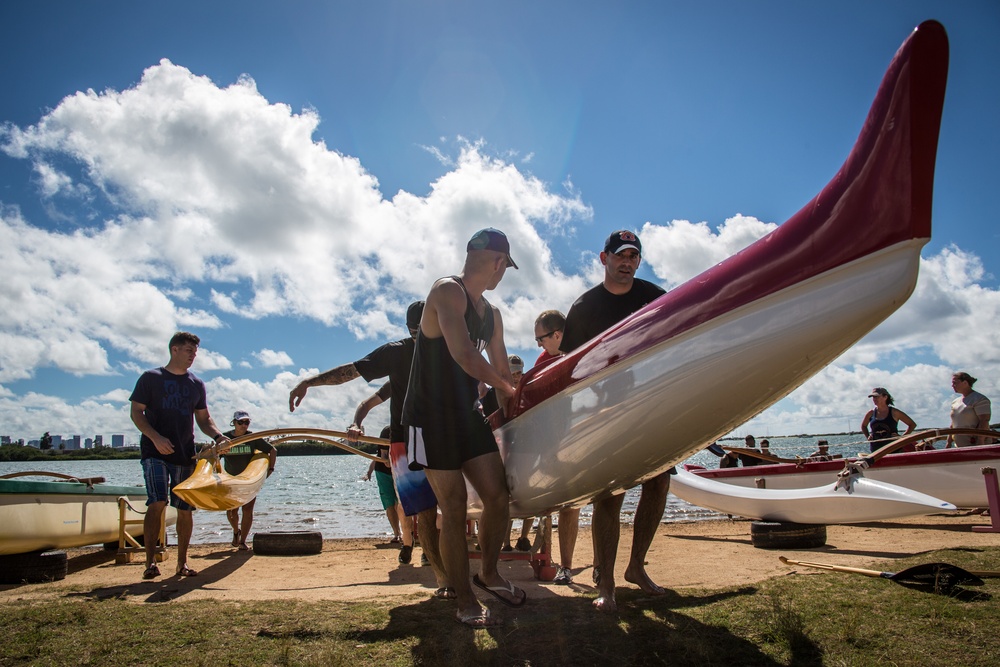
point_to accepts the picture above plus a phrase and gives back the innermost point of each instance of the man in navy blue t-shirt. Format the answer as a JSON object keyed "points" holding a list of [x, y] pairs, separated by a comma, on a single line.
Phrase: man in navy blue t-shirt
{"points": [[166, 402]]}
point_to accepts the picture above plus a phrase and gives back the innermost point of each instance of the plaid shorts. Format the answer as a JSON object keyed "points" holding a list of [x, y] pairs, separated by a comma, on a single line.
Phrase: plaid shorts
{"points": [[160, 478]]}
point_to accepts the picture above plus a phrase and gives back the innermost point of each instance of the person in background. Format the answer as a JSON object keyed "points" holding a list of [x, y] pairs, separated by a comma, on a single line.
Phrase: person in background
{"points": [[446, 432], [881, 424], [386, 489], [489, 403], [488, 395], [165, 404], [619, 295], [408, 525], [730, 460], [970, 410], [391, 360], [765, 448], [749, 460], [235, 463], [549, 327], [822, 453]]}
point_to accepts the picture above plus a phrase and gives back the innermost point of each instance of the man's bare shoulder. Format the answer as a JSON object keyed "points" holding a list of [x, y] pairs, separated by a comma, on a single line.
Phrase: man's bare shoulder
{"points": [[446, 292]]}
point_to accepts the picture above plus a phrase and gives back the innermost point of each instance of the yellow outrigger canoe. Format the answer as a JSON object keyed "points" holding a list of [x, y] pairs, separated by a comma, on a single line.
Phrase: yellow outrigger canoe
{"points": [[212, 488]]}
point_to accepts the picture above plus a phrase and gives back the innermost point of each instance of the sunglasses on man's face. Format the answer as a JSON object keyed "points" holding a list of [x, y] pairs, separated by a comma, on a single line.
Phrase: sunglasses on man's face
{"points": [[243, 422], [539, 339]]}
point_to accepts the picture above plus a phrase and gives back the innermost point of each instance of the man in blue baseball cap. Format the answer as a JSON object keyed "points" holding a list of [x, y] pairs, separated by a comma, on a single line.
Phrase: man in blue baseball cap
{"points": [[447, 434]]}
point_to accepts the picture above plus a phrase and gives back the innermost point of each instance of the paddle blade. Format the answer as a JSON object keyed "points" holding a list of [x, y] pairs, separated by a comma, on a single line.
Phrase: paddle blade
{"points": [[940, 576]]}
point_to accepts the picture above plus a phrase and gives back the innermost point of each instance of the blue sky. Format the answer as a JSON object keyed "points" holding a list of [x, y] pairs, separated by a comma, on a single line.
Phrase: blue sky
{"points": [[283, 178]]}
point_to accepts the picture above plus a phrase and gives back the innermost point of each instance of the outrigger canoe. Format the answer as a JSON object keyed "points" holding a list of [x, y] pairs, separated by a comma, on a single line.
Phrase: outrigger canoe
{"points": [[716, 351], [953, 475], [210, 487], [36, 515], [854, 499]]}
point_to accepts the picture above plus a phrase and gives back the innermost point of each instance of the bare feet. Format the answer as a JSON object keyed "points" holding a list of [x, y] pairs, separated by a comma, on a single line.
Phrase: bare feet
{"points": [[477, 617], [606, 604], [642, 580]]}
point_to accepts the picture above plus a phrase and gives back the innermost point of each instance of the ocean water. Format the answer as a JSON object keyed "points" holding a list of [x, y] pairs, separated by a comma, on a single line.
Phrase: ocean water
{"points": [[329, 494]]}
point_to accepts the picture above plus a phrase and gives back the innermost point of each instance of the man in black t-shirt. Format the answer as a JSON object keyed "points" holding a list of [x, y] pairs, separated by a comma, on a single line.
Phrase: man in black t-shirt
{"points": [[392, 360], [748, 460], [598, 309]]}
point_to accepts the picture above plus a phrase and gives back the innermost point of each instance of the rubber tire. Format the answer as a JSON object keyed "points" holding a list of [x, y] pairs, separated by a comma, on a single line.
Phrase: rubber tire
{"points": [[288, 543], [786, 535], [34, 567]]}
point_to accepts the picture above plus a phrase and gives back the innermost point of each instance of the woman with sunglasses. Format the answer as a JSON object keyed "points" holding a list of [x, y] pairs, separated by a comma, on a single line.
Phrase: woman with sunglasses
{"points": [[235, 463], [881, 423]]}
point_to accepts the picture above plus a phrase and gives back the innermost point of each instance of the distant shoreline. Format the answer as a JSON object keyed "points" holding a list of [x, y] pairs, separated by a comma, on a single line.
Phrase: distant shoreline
{"points": [[11, 453]]}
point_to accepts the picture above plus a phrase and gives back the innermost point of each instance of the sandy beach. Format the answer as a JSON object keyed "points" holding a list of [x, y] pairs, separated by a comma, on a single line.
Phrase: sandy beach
{"points": [[698, 554]]}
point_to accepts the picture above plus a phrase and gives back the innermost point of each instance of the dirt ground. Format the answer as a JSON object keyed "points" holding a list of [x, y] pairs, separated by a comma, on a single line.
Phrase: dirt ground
{"points": [[702, 554]]}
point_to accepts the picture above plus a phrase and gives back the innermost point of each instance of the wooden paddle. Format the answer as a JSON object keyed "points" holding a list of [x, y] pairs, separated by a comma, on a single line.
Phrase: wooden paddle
{"points": [[89, 481], [760, 455], [942, 577]]}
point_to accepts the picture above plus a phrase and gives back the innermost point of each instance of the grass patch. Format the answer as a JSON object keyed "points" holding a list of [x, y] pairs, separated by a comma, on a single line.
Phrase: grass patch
{"points": [[822, 619]]}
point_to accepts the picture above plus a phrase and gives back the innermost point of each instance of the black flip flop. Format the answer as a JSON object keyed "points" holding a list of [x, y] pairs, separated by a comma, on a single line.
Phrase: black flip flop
{"points": [[496, 590]]}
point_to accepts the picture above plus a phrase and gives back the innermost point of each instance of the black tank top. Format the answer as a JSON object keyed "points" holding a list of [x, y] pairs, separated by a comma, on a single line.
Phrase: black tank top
{"points": [[437, 383]]}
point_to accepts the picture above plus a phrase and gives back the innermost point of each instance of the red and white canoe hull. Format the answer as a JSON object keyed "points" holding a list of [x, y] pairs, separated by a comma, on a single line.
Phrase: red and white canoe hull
{"points": [[615, 428], [719, 349], [954, 475]]}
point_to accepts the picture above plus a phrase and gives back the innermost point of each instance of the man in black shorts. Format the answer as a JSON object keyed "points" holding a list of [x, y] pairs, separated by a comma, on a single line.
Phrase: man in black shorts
{"points": [[601, 307], [447, 434]]}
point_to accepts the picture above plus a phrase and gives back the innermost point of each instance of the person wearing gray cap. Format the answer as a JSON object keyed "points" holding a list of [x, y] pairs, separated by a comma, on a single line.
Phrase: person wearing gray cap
{"points": [[236, 461]]}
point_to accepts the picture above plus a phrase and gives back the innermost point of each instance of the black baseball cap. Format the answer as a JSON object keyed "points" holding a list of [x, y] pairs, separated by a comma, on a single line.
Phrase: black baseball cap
{"points": [[622, 240], [413, 314], [491, 239]]}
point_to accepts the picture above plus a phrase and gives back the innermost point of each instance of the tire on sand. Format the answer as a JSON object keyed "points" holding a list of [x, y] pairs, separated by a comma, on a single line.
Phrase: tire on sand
{"points": [[34, 567], [786, 535], [288, 543]]}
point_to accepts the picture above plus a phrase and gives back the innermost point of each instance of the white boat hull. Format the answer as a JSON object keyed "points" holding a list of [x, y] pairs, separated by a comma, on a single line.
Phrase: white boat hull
{"points": [[954, 475], [71, 515], [856, 500]]}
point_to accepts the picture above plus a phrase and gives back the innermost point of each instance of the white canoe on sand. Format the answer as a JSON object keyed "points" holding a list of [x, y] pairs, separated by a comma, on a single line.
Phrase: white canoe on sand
{"points": [[36, 515], [854, 499], [717, 350]]}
